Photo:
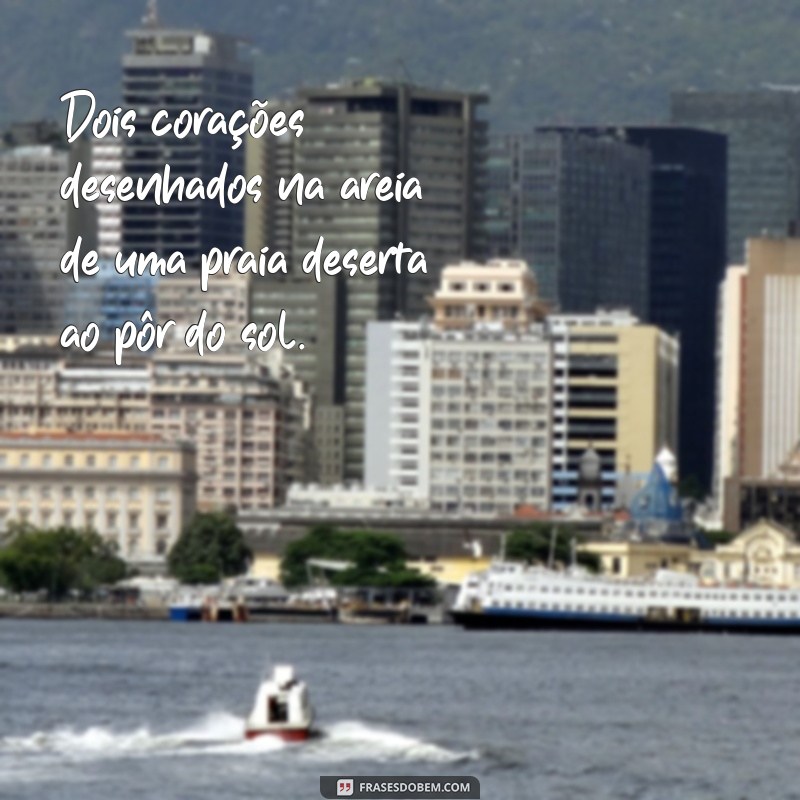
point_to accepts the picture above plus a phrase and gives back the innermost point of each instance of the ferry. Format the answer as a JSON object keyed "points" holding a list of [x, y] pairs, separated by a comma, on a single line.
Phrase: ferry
{"points": [[281, 708], [515, 596]]}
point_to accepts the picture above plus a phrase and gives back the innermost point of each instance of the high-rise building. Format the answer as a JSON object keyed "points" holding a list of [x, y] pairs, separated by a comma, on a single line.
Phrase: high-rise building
{"points": [[686, 263], [107, 159], [246, 418], [37, 227], [176, 69], [615, 391], [459, 418], [761, 326], [728, 379], [576, 208], [354, 130], [110, 300], [763, 130]]}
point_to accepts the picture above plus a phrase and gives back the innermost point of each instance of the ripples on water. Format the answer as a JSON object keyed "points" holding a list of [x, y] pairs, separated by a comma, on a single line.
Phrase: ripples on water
{"points": [[156, 710]]}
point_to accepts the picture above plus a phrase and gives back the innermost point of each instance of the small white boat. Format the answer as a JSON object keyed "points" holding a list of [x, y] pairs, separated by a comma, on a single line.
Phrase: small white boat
{"points": [[281, 708]]}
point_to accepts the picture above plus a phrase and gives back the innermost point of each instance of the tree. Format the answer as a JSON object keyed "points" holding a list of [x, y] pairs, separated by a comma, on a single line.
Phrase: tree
{"points": [[210, 547], [718, 537], [58, 561], [690, 488], [376, 559], [533, 544]]}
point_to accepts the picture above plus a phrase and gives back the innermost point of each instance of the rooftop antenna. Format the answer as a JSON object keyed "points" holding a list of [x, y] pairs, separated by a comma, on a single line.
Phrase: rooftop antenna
{"points": [[402, 65], [150, 18]]}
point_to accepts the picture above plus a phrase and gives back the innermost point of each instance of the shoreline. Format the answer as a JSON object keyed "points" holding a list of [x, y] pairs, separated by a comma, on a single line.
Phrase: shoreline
{"points": [[81, 611]]}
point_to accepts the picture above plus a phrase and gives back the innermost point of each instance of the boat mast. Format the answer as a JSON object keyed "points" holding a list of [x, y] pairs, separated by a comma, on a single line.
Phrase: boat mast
{"points": [[552, 553]]}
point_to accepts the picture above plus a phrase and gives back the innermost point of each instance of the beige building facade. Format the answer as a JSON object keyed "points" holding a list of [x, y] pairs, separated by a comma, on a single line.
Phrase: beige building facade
{"points": [[615, 389], [769, 418], [501, 292], [247, 418], [136, 490], [765, 554]]}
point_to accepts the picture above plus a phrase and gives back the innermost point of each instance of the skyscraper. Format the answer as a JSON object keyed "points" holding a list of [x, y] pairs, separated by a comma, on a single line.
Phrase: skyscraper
{"points": [[685, 251], [615, 391], [354, 130], [576, 208], [763, 130], [176, 69], [759, 374], [767, 297], [37, 227]]}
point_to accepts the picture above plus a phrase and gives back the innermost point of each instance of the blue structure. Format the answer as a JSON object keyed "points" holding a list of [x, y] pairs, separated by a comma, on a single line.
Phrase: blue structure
{"points": [[657, 500], [110, 299]]}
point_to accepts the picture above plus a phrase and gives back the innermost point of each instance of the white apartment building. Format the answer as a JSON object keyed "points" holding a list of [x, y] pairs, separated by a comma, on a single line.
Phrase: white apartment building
{"points": [[107, 160], [461, 418]]}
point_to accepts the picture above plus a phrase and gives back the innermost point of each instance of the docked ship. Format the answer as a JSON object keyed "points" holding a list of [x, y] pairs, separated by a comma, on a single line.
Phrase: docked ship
{"points": [[516, 596]]}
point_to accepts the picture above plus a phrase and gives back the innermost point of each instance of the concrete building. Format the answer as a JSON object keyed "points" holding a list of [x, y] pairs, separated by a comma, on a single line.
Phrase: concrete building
{"points": [[227, 301], [636, 559], [501, 292], [765, 554], [775, 497], [459, 418], [688, 174], [107, 159], [615, 389], [135, 490], [110, 300], [762, 127], [576, 208], [729, 378], [445, 545], [37, 227], [351, 497], [761, 324], [176, 69], [246, 420], [248, 424], [354, 130]]}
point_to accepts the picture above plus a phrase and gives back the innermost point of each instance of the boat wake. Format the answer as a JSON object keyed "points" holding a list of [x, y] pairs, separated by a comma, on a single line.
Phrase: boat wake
{"points": [[223, 734]]}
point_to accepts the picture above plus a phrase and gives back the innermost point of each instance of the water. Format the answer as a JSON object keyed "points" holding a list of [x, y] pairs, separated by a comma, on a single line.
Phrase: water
{"points": [[155, 710]]}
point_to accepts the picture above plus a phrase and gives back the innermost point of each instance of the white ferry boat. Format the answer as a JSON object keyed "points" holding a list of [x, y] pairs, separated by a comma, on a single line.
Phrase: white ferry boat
{"points": [[510, 595]]}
